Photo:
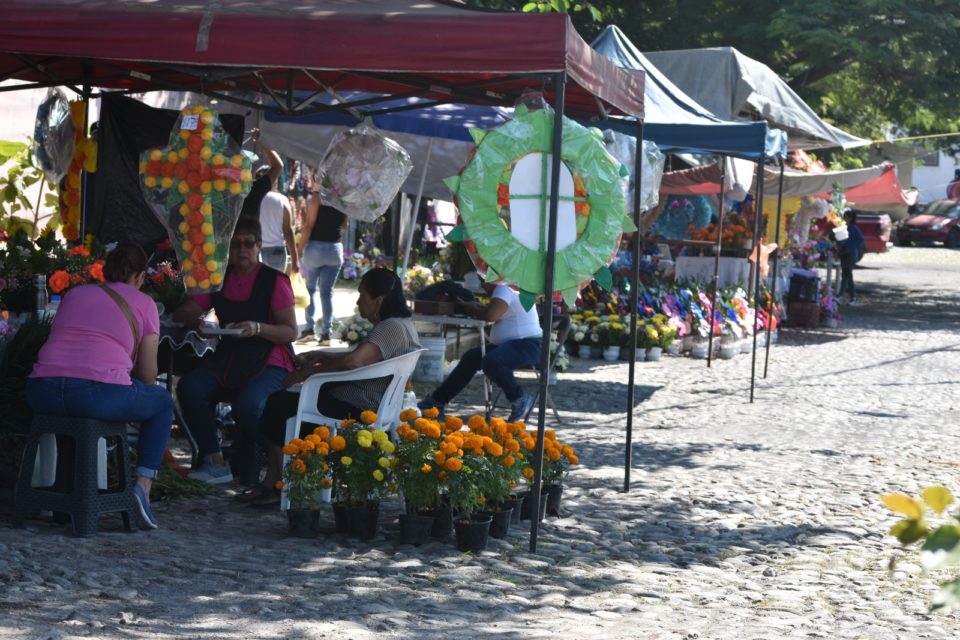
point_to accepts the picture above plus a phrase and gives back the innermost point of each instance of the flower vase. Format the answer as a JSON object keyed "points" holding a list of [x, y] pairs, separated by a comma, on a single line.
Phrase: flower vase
{"points": [[596, 352], [362, 522], [653, 354], [584, 351], [611, 353], [729, 350], [527, 503], [442, 520], [326, 495], [746, 346], [473, 534], [686, 343], [500, 522], [340, 521], [831, 323], [303, 523], [673, 349], [415, 528], [624, 354], [699, 350], [554, 493]]}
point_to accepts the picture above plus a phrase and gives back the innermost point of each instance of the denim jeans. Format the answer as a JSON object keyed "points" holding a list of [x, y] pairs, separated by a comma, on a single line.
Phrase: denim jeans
{"points": [[498, 365], [846, 276], [275, 258], [148, 404], [321, 263], [199, 391]]}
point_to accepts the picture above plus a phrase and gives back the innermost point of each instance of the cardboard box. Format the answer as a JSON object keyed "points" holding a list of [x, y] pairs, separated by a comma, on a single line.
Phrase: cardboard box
{"points": [[803, 314]]}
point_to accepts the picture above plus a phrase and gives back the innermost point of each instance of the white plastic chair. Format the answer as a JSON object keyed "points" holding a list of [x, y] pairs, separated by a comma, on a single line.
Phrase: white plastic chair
{"points": [[388, 413]]}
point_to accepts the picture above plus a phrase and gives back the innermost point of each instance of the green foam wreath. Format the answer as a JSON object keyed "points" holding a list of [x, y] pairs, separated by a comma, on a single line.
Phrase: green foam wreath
{"points": [[483, 199]]}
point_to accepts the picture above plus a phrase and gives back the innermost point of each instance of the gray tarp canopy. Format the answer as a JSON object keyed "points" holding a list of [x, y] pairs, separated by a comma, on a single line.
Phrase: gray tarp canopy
{"points": [[732, 86]]}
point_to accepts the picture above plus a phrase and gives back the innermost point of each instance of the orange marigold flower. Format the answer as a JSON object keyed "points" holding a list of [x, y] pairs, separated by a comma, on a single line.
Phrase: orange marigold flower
{"points": [[278, 484], [407, 415], [368, 417], [348, 422], [440, 457], [426, 468], [476, 422], [59, 281], [497, 423], [453, 464], [298, 466], [79, 250], [454, 423], [494, 449], [338, 443], [326, 483], [96, 271], [574, 459], [512, 445], [322, 432], [291, 449], [431, 412], [314, 438], [528, 473], [508, 461]]}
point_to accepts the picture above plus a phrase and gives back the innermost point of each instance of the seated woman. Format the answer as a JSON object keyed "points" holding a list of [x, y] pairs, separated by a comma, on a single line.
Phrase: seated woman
{"points": [[381, 302], [245, 369], [100, 361]]}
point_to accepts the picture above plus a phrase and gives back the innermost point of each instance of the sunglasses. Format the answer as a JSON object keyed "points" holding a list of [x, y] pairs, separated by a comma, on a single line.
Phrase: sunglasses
{"points": [[245, 244]]}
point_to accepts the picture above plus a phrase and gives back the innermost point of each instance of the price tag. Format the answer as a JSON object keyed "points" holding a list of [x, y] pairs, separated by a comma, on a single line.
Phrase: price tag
{"points": [[190, 122]]}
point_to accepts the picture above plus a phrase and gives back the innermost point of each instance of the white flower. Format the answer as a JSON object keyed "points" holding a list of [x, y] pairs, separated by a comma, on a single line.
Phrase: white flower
{"points": [[578, 336], [594, 337], [352, 336]]}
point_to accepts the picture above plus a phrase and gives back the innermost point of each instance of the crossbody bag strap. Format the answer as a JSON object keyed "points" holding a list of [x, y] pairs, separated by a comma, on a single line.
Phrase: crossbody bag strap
{"points": [[129, 314]]}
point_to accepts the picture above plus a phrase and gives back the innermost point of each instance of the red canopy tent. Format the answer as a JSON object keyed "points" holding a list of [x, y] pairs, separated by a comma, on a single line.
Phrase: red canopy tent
{"points": [[429, 48], [236, 49]]}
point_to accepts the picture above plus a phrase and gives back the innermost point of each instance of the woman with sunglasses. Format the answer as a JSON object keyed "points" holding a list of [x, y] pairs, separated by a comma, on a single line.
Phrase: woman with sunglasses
{"points": [[257, 302], [381, 302]]}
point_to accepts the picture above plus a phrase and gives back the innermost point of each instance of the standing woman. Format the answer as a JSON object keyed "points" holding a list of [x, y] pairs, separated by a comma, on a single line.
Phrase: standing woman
{"points": [[321, 256], [100, 361]]}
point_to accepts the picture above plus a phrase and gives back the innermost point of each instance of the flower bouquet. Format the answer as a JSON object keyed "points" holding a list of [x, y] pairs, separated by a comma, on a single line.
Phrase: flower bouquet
{"points": [[353, 329], [164, 283]]}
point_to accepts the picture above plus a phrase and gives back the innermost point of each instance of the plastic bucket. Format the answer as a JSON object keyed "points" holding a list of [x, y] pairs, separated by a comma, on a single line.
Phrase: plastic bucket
{"points": [[430, 365]]}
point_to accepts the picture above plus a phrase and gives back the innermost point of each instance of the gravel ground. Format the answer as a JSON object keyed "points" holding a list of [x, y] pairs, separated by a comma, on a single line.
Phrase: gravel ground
{"points": [[744, 520]]}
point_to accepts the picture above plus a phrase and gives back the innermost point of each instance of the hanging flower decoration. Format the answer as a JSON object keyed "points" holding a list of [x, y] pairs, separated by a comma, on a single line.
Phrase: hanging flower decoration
{"points": [[195, 186], [503, 205], [84, 159]]}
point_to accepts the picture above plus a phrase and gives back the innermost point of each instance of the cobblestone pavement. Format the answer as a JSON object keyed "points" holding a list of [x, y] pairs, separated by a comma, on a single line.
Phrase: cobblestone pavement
{"points": [[743, 521]]}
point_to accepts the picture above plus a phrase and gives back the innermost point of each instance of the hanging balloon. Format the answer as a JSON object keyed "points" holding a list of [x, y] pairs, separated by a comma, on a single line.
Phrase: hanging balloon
{"points": [[196, 185], [503, 200], [53, 133], [362, 172]]}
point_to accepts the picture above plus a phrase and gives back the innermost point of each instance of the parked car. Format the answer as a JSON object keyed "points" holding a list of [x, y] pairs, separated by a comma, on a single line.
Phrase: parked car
{"points": [[938, 222], [875, 227]]}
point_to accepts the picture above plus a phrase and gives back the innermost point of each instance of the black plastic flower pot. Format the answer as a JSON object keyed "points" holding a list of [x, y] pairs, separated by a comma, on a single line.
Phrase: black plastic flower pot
{"points": [[340, 521], [303, 523], [500, 522], [554, 494], [525, 506], [442, 520], [472, 535], [415, 528], [362, 522]]}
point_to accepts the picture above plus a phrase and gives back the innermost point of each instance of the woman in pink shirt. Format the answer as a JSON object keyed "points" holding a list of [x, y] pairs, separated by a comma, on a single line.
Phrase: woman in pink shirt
{"points": [[100, 361]]}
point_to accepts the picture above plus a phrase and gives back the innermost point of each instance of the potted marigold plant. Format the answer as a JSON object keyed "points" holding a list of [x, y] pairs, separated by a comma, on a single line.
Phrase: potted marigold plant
{"points": [[417, 474], [362, 470], [305, 475], [502, 471], [557, 459], [463, 458]]}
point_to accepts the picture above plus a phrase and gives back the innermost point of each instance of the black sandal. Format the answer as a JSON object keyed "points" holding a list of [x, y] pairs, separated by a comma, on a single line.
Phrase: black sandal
{"points": [[251, 494]]}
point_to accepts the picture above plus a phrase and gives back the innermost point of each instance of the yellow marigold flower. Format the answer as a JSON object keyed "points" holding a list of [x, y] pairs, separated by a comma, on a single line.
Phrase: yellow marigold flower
{"points": [[378, 475], [383, 462], [426, 468], [338, 443], [364, 439], [346, 461], [387, 447], [278, 484], [379, 436], [431, 412], [322, 432], [368, 417], [453, 464]]}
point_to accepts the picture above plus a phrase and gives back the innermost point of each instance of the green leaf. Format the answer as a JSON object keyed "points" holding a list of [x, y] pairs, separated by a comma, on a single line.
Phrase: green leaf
{"points": [[477, 135], [527, 299], [938, 497], [453, 183], [909, 531], [628, 226], [903, 504], [570, 296], [942, 548], [948, 596], [604, 278], [458, 233], [529, 7]]}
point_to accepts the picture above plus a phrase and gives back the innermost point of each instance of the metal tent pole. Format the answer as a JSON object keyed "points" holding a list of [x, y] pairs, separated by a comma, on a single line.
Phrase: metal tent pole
{"points": [[776, 264], [634, 299], [716, 267], [758, 219], [560, 81]]}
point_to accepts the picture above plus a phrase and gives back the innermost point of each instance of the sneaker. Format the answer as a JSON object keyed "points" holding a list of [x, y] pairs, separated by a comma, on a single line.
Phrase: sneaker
{"points": [[521, 407], [146, 513], [306, 333], [428, 403], [324, 340], [211, 473], [853, 302]]}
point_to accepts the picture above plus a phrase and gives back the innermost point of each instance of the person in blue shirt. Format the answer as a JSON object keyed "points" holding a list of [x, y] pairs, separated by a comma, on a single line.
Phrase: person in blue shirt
{"points": [[850, 250]]}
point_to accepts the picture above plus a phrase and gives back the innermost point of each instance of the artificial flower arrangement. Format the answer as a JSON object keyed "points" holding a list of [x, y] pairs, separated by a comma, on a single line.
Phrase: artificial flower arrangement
{"points": [[829, 305], [666, 332], [356, 263], [419, 277], [353, 329], [362, 462], [307, 470]]}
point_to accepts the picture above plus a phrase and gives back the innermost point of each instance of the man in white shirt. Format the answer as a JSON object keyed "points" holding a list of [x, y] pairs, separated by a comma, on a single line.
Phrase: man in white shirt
{"points": [[516, 336], [276, 221]]}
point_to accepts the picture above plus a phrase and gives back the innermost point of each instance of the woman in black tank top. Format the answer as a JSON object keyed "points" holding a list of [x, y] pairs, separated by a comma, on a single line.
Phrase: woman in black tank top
{"points": [[321, 255]]}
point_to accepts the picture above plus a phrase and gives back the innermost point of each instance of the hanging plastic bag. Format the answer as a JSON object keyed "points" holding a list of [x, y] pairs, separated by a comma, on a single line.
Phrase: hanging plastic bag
{"points": [[362, 172], [53, 135], [301, 296]]}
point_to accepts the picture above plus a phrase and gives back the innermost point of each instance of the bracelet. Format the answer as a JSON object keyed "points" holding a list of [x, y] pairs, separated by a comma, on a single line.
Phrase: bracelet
{"points": [[258, 329]]}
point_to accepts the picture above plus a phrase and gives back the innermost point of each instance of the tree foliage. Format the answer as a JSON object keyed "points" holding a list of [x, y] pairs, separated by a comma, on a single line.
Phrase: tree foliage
{"points": [[870, 67]]}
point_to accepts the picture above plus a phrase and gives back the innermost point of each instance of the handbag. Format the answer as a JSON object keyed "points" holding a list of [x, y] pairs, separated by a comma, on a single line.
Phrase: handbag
{"points": [[134, 327]]}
